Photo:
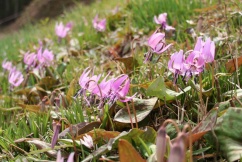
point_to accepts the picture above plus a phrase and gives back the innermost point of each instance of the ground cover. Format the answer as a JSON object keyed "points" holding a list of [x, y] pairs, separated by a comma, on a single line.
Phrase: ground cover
{"points": [[125, 86]]}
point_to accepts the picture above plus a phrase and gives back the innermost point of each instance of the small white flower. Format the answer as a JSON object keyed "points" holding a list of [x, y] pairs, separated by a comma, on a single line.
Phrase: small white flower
{"points": [[88, 142]]}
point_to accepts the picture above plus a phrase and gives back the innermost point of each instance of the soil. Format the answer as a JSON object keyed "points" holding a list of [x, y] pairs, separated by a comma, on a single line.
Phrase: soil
{"points": [[40, 9]]}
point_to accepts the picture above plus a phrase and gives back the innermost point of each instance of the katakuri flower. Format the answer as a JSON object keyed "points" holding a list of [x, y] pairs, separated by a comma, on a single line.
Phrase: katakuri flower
{"points": [[45, 57], [157, 43], [194, 63], [99, 25], [61, 159], [161, 20], [7, 65], [119, 89], [30, 59], [15, 77], [207, 49], [176, 64], [87, 141], [61, 30]]}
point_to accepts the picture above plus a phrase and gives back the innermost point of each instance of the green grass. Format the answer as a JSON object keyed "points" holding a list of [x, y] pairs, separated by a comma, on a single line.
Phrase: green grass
{"points": [[133, 20]]}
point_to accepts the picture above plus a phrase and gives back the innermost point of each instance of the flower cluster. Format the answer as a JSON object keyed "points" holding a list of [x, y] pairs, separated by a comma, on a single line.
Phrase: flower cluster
{"points": [[99, 25], [195, 62], [161, 20], [43, 58], [15, 77], [111, 90]]}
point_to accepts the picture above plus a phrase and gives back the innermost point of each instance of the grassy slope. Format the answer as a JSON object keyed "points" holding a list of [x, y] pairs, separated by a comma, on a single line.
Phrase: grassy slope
{"points": [[138, 14]]}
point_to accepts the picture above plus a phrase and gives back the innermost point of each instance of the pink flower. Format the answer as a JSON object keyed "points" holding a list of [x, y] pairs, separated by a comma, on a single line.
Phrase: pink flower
{"points": [[207, 49], [161, 20], [7, 65], [119, 89], [30, 59], [15, 77], [61, 30], [208, 52], [88, 83], [176, 63], [157, 44], [45, 57], [194, 63], [99, 25], [87, 141], [61, 159]]}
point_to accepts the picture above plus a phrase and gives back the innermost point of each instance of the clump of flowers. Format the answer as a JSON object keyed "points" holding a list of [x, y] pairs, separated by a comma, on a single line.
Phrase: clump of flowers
{"points": [[107, 90], [195, 62], [162, 20], [61, 30], [98, 24], [15, 77]]}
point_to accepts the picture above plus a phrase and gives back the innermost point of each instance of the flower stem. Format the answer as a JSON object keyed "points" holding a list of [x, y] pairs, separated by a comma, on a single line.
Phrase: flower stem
{"points": [[130, 117], [202, 105]]}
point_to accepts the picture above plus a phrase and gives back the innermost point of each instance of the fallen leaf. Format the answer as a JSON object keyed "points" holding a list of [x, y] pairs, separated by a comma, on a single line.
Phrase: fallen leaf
{"points": [[127, 152]]}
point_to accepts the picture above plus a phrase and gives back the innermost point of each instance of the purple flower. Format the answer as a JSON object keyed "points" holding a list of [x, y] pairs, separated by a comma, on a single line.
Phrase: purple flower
{"points": [[15, 77], [88, 83], [56, 129], [119, 89], [87, 141], [194, 63], [157, 42], [207, 49], [161, 20], [99, 25], [45, 57], [7, 65], [30, 59], [104, 88], [61, 30], [61, 159], [176, 63]]}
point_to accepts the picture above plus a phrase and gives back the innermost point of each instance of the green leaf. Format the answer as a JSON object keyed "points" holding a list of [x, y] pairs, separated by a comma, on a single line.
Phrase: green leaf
{"points": [[228, 131], [158, 89]]}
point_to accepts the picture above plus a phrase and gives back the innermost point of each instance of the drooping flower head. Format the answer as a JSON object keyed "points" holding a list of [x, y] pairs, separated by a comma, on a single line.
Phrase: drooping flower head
{"points": [[61, 30], [45, 57], [194, 63], [30, 59], [87, 141], [7, 65], [207, 49], [161, 20], [61, 159], [176, 64], [15, 77], [157, 43], [99, 25]]}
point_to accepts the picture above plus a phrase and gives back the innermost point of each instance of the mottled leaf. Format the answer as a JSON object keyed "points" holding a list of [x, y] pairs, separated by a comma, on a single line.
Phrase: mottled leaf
{"points": [[228, 131], [143, 107], [158, 89]]}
